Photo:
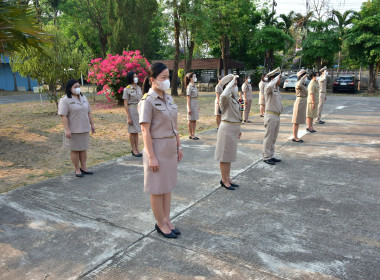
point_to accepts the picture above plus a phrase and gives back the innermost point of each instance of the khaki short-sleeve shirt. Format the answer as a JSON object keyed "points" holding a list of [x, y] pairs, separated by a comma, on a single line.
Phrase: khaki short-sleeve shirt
{"points": [[132, 94], [192, 91], [313, 88], [160, 113], [247, 88], [77, 113]]}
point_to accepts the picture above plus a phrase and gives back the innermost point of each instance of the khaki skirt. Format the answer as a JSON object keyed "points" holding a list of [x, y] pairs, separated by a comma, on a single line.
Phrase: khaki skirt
{"points": [[165, 179], [312, 113], [217, 108], [194, 110], [77, 142], [299, 111], [135, 127], [226, 142]]}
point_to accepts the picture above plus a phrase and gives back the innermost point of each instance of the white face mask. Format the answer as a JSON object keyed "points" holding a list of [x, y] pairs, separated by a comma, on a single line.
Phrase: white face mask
{"points": [[135, 80], [326, 73], [195, 79], [317, 78], [235, 90], [77, 90], [265, 79], [249, 80], [164, 85]]}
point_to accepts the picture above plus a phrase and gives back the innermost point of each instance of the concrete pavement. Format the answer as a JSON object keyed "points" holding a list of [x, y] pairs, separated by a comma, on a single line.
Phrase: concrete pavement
{"points": [[313, 216]]}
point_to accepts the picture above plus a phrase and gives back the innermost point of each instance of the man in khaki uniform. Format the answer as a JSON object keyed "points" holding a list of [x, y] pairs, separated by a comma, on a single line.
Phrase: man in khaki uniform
{"points": [[247, 96], [322, 94], [273, 110]]}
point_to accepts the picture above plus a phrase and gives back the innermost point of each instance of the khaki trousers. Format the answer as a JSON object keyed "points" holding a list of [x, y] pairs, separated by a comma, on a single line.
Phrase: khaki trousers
{"points": [[247, 109], [272, 127], [322, 97]]}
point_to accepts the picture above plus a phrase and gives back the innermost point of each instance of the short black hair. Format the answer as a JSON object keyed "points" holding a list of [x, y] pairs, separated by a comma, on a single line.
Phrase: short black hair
{"points": [[312, 75], [130, 77], [274, 76], [69, 85]]}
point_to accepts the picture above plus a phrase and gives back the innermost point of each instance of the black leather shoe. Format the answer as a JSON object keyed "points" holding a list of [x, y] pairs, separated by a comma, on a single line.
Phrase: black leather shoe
{"points": [[79, 175], [136, 155], [86, 172], [176, 231], [234, 185], [167, 235], [275, 159], [269, 161], [231, 188], [297, 141], [311, 131]]}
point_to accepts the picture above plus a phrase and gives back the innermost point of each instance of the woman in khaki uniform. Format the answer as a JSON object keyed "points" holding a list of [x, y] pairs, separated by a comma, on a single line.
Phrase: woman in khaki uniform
{"points": [[262, 84], [247, 96], [312, 102], [218, 92], [75, 112], [132, 95], [229, 130], [192, 103], [162, 146], [299, 108]]}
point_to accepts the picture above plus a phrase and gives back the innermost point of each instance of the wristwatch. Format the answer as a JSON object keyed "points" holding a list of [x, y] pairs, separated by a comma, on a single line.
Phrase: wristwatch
{"points": [[179, 148]]}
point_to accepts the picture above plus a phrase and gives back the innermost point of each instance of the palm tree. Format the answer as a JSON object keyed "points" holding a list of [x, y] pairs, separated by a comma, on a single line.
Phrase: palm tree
{"points": [[302, 24], [341, 21], [268, 19], [19, 28], [286, 25]]}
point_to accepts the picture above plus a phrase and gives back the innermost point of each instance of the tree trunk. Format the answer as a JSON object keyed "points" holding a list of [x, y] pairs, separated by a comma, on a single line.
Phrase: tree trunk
{"points": [[317, 64], [270, 60], [372, 78], [339, 58], [174, 90], [225, 48], [15, 88], [29, 85], [283, 59]]}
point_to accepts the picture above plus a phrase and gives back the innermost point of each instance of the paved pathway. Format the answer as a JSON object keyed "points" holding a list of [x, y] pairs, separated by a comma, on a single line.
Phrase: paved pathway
{"points": [[313, 216]]}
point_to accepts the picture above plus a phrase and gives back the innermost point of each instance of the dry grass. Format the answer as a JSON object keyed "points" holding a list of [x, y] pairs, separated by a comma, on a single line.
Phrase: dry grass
{"points": [[31, 138]]}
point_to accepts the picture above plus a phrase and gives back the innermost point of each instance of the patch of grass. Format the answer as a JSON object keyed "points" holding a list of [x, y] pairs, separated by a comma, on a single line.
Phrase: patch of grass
{"points": [[31, 137]]}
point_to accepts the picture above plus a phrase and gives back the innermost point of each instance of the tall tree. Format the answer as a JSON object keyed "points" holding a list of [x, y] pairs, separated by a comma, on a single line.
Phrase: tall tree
{"points": [[271, 38], [363, 40], [302, 25], [320, 44], [229, 21], [341, 21], [90, 18], [286, 25]]}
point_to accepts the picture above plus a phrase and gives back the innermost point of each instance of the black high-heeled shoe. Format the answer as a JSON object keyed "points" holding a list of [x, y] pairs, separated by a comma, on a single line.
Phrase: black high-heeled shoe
{"points": [[167, 235], [176, 231], [231, 188], [234, 185]]}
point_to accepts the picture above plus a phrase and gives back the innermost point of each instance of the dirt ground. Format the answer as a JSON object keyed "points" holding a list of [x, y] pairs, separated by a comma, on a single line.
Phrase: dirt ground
{"points": [[31, 138]]}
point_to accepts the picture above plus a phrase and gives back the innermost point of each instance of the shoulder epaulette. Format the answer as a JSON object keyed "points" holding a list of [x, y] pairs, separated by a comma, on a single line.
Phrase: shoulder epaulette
{"points": [[144, 96], [128, 86]]}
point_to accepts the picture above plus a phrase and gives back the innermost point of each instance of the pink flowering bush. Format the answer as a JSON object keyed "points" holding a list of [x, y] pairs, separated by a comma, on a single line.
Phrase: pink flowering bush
{"points": [[111, 72]]}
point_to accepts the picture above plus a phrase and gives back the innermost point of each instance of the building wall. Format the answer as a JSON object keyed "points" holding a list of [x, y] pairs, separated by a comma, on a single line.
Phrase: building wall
{"points": [[6, 78]]}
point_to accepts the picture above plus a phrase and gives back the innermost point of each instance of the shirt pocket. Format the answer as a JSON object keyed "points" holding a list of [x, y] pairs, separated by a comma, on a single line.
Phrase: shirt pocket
{"points": [[173, 106], [160, 107], [194, 92]]}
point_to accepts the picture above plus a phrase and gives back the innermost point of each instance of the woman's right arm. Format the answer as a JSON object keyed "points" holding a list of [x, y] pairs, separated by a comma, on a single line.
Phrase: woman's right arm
{"points": [[127, 111], [147, 137], [65, 122]]}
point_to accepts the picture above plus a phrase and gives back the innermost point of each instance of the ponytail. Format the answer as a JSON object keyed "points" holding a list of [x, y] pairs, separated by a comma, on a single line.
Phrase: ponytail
{"points": [[146, 85], [188, 77]]}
